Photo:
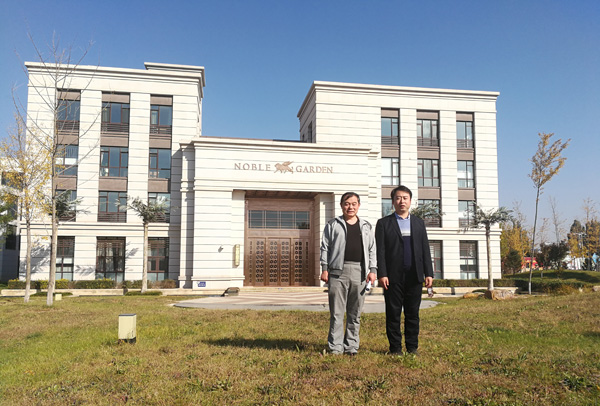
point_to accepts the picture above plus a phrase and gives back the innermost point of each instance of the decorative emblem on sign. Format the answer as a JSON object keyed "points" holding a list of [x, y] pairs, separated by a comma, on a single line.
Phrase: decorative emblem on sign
{"points": [[284, 167]]}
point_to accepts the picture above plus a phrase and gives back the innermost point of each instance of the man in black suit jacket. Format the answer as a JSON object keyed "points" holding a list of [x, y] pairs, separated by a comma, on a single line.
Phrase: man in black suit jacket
{"points": [[404, 261]]}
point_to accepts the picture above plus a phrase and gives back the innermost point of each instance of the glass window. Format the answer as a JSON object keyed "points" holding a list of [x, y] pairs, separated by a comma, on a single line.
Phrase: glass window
{"points": [[298, 220], [390, 171], [65, 254], [468, 260], [114, 161], [164, 198], [466, 212], [12, 239], [68, 110], [116, 113], [71, 197], [110, 258], [66, 159], [428, 171], [436, 257], [112, 206], [464, 134], [427, 133], [160, 163], [465, 172], [434, 221], [158, 259], [387, 207]]}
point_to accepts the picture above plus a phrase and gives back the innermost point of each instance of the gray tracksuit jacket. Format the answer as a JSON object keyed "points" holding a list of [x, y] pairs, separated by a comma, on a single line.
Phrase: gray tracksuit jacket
{"points": [[333, 246]]}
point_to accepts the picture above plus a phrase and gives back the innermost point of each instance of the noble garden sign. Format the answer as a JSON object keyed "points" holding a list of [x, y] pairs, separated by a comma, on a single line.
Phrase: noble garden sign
{"points": [[283, 167]]}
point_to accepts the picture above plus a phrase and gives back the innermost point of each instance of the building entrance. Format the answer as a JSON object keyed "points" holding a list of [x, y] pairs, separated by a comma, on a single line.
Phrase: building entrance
{"points": [[278, 239]]}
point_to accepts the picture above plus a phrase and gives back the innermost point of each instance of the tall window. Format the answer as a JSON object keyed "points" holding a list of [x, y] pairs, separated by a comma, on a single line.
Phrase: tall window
{"points": [[387, 207], [466, 176], [436, 257], [115, 115], [429, 173], [112, 206], [66, 159], [110, 258], [160, 163], [431, 221], [464, 134], [114, 161], [427, 133], [468, 260], [67, 112], [161, 119], [390, 171], [164, 198], [158, 259], [466, 212], [70, 197], [12, 239], [289, 220], [310, 132], [65, 254], [389, 129]]}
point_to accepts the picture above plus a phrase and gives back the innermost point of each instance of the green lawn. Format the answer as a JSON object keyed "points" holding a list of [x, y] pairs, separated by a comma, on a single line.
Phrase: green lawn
{"points": [[541, 350]]}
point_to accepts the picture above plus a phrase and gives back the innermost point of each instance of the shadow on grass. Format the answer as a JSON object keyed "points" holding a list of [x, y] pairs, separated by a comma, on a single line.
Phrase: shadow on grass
{"points": [[269, 344], [591, 334]]}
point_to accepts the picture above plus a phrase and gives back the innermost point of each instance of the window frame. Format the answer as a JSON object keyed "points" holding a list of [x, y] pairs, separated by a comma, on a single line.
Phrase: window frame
{"points": [[466, 221], [432, 221], [435, 172], [123, 169], [65, 244], [154, 197], [469, 264], [437, 261], [63, 168], [158, 243], [154, 172], [156, 116], [112, 243], [468, 181], [391, 164], [463, 139], [104, 199], [433, 140]]}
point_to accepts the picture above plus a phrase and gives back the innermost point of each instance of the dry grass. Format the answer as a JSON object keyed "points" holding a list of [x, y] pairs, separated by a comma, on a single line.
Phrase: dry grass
{"points": [[532, 350]]}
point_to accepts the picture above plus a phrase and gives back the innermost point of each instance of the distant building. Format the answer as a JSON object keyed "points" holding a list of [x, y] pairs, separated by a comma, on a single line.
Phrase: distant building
{"points": [[248, 212]]}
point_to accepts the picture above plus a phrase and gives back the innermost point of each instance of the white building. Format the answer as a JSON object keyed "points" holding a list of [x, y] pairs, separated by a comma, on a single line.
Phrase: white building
{"points": [[251, 212]]}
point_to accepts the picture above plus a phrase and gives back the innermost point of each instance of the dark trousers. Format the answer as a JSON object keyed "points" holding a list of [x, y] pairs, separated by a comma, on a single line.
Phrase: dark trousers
{"points": [[405, 294]]}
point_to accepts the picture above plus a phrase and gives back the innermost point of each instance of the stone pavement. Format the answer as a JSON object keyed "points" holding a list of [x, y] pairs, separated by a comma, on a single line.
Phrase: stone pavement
{"points": [[302, 300]]}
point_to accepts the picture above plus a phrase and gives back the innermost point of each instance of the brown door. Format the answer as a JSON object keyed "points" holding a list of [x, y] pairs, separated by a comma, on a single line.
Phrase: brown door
{"points": [[277, 248]]}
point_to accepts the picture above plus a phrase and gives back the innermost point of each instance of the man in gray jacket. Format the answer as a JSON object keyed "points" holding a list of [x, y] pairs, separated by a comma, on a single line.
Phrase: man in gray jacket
{"points": [[348, 252]]}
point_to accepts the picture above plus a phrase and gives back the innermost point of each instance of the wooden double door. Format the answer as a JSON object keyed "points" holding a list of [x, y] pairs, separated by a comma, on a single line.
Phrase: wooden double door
{"points": [[277, 249]]}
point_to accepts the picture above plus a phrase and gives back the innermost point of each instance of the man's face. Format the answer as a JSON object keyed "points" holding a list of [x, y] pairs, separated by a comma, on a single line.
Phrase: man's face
{"points": [[350, 207], [401, 202]]}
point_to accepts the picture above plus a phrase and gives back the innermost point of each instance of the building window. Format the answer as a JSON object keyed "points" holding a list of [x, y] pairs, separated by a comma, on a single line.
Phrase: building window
{"points": [[390, 171], [310, 132], [164, 198], [158, 259], [110, 258], [69, 197], [114, 161], [427, 133], [161, 119], [65, 254], [468, 260], [115, 117], [66, 159], [464, 134], [112, 206], [466, 212], [387, 207], [436, 257], [67, 115], [466, 177], [160, 163], [431, 221], [429, 173], [290, 220], [389, 131], [11, 238]]}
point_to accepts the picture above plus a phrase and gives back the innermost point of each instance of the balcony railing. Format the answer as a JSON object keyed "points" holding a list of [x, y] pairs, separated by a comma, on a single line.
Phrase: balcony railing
{"points": [[161, 129], [120, 217], [428, 142], [67, 127], [464, 143], [121, 128], [68, 216], [432, 222], [163, 218], [389, 140], [462, 222]]}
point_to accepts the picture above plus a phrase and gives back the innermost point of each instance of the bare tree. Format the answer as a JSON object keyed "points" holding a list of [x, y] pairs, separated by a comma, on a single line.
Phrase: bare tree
{"points": [[487, 219], [53, 130], [557, 221], [546, 162], [150, 212]]}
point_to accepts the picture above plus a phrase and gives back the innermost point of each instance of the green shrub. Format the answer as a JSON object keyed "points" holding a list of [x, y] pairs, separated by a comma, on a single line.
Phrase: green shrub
{"points": [[95, 284], [468, 283], [44, 294], [553, 286], [132, 284], [151, 293], [164, 284], [39, 284]]}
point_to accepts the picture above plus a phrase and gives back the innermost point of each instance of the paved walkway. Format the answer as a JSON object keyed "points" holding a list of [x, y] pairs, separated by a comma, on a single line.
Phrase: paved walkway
{"points": [[310, 301]]}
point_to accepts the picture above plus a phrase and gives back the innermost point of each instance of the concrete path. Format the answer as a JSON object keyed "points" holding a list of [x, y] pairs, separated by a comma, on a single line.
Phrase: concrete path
{"points": [[309, 301]]}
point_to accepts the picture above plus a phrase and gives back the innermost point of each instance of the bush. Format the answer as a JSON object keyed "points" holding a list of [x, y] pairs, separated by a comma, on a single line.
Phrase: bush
{"points": [[136, 293], [551, 286], [164, 284], [40, 284], [468, 283], [132, 284], [95, 284]]}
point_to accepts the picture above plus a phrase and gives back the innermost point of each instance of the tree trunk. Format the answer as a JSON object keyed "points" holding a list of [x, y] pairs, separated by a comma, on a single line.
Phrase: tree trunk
{"points": [[537, 200], [52, 276], [145, 265], [28, 266], [489, 257]]}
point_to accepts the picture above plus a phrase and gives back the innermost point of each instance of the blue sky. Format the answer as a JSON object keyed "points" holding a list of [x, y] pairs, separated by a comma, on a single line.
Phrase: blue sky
{"points": [[261, 57]]}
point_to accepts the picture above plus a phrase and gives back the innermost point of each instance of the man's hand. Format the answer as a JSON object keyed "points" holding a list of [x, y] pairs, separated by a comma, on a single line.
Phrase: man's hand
{"points": [[325, 276], [371, 277], [385, 282], [428, 281]]}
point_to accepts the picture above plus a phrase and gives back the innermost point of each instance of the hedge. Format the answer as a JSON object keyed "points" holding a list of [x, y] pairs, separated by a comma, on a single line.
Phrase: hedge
{"points": [[468, 283], [40, 284], [551, 285], [91, 284]]}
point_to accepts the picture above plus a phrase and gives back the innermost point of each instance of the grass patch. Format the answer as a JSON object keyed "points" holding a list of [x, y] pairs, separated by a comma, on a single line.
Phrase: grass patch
{"points": [[531, 350]]}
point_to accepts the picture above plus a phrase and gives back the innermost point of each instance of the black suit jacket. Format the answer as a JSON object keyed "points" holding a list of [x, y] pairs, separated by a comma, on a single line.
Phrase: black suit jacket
{"points": [[390, 249]]}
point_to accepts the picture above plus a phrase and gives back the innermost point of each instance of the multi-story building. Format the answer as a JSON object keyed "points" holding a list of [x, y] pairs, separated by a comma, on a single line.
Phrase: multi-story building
{"points": [[251, 212]]}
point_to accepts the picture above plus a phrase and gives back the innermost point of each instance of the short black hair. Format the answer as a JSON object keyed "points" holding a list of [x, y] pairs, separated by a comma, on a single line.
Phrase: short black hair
{"points": [[347, 196], [400, 188]]}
